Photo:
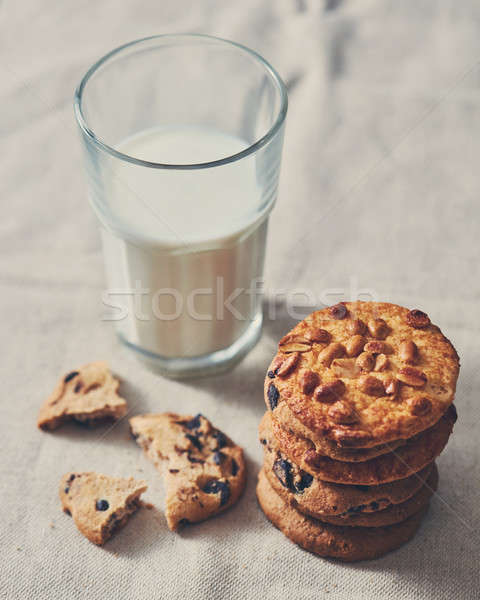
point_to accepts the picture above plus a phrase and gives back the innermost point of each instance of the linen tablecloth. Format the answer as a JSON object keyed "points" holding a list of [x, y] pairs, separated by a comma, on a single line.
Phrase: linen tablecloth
{"points": [[378, 194]]}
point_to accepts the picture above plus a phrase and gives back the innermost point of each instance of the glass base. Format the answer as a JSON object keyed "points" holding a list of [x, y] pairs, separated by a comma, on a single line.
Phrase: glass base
{"points": [[200, 366]]}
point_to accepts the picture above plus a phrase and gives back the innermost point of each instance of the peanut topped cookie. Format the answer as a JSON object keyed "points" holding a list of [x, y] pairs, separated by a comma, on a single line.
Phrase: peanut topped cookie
{"points": [[87, 395], [204, 470], [364, 373], [414, 455], [324, 446]]}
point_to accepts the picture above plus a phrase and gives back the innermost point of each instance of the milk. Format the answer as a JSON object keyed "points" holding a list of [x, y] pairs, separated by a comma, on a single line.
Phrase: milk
{"points": [[184, 249]]}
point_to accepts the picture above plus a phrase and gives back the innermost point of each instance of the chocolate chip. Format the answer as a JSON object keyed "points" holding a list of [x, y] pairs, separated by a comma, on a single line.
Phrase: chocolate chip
{"points": [[271, 374], [173, 470], [193, 423], [273, 396], [305, 481], [356, 509], [192, 459], [72, 477], [102, 505], [283, 471], [195, 441], [453, 413], [263, 441], [234, 467], [70, 376], [215, 487], [221, 439], [66, 490], [78, 387], [218, 457]]}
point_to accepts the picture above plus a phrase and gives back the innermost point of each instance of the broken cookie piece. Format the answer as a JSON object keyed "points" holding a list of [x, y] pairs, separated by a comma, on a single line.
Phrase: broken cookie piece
{"points": [[204, 470], [99, 504], [87, 395]]}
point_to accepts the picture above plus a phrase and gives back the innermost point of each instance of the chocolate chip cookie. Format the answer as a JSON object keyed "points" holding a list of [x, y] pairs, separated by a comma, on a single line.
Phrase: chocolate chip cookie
{"points": [[319, 498], [87, 395], [344, 543], [99, 504], [204, 470], [410, 458], [364, 373], [306, 494]]}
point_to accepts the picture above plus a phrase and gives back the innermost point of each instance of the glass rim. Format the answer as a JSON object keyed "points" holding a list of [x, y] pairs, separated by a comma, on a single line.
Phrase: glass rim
{"points": [[98, 142]]}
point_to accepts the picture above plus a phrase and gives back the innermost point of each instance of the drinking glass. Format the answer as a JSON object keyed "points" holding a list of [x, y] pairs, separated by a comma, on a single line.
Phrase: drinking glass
{"points": [[182, 138]]}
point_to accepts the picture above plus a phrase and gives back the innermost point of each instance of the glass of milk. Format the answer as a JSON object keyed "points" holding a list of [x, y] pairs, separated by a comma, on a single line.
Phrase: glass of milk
{"points": [[183, 137]]}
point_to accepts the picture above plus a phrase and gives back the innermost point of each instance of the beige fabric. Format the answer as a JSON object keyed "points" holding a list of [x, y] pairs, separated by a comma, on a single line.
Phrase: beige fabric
{"points": [[379, 190]]}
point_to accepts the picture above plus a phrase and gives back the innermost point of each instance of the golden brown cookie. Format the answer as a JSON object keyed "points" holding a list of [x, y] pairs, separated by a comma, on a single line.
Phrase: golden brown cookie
{"points": [[317, 498], [410, 458], [284, 416], [99, 504], [371, 513], [364, 373], [204, 470], [87, 395], [345, 543]]}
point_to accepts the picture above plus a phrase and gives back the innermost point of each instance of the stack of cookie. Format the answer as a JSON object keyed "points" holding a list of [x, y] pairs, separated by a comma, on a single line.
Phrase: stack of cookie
{"points": [[359, 401]]}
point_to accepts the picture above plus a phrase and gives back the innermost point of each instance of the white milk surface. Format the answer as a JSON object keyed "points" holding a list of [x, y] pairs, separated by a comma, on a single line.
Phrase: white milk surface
{"points": [[192, 238], [176, 207]]}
